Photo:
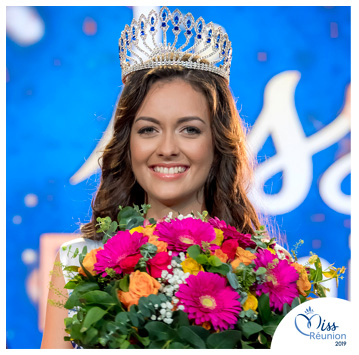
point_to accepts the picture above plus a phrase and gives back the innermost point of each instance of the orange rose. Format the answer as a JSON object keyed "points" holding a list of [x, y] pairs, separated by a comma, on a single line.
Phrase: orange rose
{"points": [[89, 262], [141, 285], [161, 246], [303, 283], [206, 325], [221, 256], [148, 230], [242, 256]]}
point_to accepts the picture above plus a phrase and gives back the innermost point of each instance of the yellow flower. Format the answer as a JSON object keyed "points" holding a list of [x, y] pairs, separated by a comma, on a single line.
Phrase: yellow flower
{"points": [[312, 259], [190, 265], [219, 237], [250, 303], [138, 229], [271, 250]]}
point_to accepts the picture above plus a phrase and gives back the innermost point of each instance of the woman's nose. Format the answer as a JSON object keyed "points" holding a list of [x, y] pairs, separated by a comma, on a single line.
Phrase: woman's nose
{"points": [[168, 145]]}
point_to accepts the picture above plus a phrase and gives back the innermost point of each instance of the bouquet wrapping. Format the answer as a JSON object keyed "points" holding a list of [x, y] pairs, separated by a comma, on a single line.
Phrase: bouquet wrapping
{"points": [[190, 282]]}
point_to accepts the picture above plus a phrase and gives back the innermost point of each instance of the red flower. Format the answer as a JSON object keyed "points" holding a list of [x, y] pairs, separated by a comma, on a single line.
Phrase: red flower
{"points": [[159, 263], [128, 264], [229, 247], [229, 232]]}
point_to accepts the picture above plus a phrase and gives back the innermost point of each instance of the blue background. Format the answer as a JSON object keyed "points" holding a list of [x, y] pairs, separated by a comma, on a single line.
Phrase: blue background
{"points": [[61, 93]]}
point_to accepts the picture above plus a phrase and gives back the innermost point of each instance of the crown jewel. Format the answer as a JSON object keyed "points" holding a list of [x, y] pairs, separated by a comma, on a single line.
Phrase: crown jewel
{"points": [[205, 46]]}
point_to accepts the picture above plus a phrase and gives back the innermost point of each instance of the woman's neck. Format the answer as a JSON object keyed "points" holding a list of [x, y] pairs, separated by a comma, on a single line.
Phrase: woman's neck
{"points": [[160, 210]]}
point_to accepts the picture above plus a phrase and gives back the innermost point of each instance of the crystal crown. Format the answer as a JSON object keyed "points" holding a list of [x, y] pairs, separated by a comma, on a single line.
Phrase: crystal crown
{"points": [[209, 50]]}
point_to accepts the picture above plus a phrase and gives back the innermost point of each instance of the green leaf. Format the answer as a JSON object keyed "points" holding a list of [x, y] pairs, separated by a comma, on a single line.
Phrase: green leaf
{"points": [[264, 308], [262, 339], [148, 250], [202, 259], [188, 335], [86, 287], [134, 318], [144, 309], [135, 222], [99, 297], [71, 285], [224, 269], [295, 303], [90, 334], [250, 328], [261, 271], [214, 260], [72, 301], [71, 268], [321, 290], [125, 283], [319, 271], [152, 221], [286, 308], [125, 344], [159, 331], [233, 280], [75, 253], [145, 341], [113, 227], [92, 316], [179, 318], [200, 331], [176, 345], [245, 345], [224, 340], [83, 254], [121, 318], [193, 251], [157, 344], [270, 328]]}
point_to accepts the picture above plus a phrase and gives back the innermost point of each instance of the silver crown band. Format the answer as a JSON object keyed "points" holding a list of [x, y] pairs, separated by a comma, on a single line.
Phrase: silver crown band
{"points": [[210, 48]]}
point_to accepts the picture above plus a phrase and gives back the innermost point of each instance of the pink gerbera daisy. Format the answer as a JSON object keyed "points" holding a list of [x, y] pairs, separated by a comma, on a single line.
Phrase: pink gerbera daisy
{"points": [[121, 253], [281, 279], [207, 298], [229, 232], [181, 234]]}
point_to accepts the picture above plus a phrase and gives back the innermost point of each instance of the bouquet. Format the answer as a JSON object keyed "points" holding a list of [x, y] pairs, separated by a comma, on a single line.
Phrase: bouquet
{"points": [[190, 282]]}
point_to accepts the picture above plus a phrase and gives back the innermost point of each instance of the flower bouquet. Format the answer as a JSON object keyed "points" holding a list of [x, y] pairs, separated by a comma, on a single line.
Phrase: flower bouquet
{"points": [[183, 283]]}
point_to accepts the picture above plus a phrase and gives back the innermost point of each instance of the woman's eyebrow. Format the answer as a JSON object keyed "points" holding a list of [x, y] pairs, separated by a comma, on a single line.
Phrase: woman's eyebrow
{"points": [[179, 121]]}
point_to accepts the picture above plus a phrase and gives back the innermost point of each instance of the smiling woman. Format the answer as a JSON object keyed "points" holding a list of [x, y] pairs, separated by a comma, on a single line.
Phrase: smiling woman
{"points": [[184, 119], [178, 145]]}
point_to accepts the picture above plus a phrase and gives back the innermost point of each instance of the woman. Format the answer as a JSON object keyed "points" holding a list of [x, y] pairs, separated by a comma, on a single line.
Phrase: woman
{"points": [[178, 145]]}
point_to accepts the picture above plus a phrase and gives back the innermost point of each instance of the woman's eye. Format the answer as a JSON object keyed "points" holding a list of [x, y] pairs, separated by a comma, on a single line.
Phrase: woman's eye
{"points": [[192, 130], [146, 130]]}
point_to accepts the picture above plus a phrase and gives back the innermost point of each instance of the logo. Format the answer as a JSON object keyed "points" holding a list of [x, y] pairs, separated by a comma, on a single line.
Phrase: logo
{"points": [[314, 326]]}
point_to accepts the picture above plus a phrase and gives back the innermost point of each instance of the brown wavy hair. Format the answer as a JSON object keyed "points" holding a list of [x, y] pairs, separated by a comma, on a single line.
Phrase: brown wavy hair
{"points": [[225, 190]]}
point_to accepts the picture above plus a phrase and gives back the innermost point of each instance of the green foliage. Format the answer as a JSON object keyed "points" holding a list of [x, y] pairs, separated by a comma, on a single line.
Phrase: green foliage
{"points": [[127, 218]]}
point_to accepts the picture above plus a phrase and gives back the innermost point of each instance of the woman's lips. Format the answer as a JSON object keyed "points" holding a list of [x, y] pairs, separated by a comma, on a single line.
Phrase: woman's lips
{"points": [[169, 172]]}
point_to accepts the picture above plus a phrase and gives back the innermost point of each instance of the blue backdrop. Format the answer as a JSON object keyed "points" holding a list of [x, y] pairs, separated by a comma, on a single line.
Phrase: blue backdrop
{"points": [[63, 78]]}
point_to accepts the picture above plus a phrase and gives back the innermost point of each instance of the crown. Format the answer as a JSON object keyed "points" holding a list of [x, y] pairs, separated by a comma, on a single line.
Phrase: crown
{"points": [[309, 311], [204, 46]]}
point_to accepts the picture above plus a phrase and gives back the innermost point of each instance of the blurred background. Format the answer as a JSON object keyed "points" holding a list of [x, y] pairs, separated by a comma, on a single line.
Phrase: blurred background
{"points": [[290, 76]]}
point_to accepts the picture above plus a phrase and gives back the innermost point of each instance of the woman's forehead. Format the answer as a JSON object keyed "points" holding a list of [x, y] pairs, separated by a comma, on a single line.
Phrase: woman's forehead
{"points": [[175, 98]]}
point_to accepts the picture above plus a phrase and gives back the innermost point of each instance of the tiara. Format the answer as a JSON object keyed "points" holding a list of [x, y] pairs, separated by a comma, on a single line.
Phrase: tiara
{"points": [[205, 46]]}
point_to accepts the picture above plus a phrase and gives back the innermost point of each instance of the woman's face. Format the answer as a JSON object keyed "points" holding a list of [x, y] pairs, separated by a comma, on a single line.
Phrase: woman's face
{"points": [[171, 144]]}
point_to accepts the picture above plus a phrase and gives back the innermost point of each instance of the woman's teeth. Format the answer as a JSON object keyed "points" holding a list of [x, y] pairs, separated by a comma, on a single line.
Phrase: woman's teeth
{"points": [[173, 170]]}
